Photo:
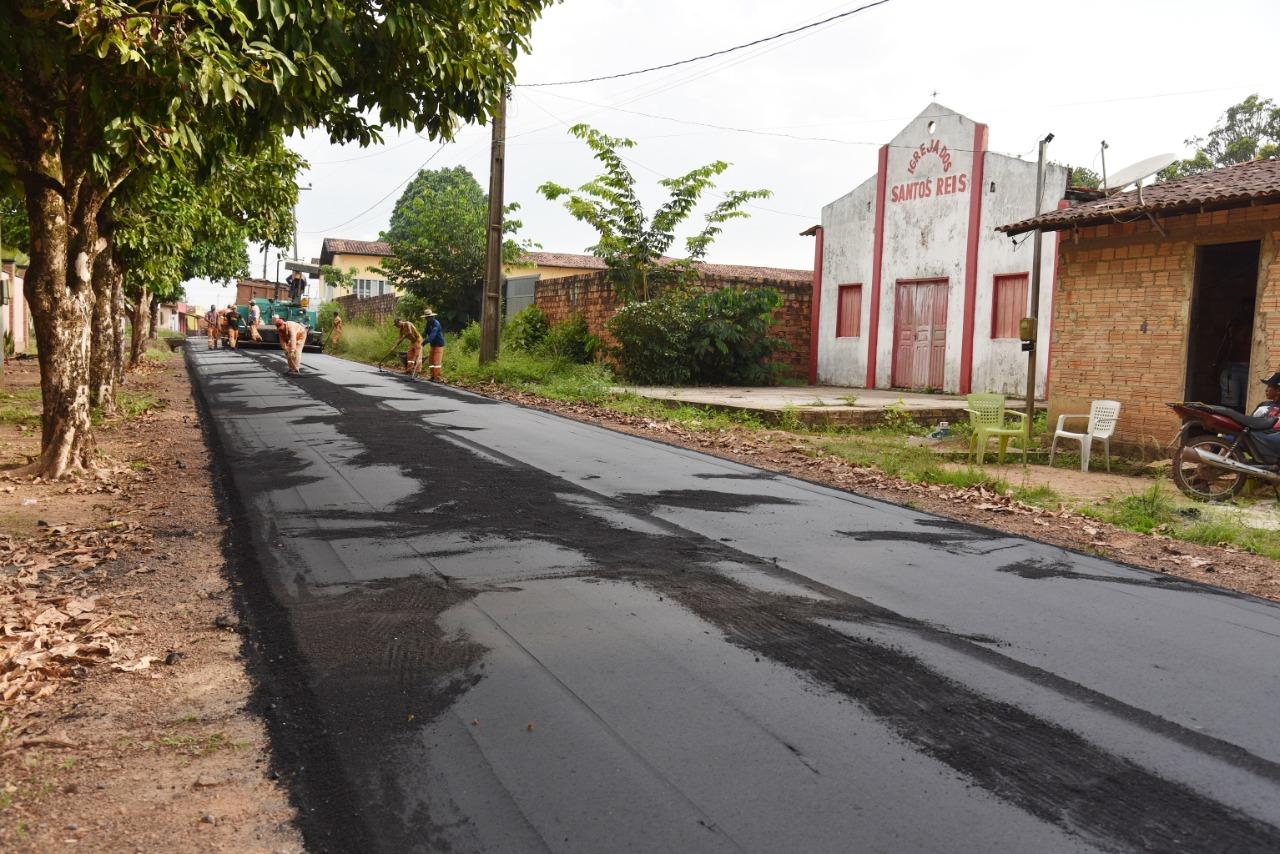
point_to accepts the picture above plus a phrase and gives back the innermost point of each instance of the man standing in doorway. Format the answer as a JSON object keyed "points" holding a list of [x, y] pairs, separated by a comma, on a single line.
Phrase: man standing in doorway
{"points": [[293, 336], [1233, 358], [434, 334]]}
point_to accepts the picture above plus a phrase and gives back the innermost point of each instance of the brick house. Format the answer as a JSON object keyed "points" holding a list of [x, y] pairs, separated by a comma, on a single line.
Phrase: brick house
{"points": [[1159, 291], [589, 293]]}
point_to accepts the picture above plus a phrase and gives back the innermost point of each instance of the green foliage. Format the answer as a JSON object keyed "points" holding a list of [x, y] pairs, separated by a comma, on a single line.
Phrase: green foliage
{"points": [[538, 373], [1082, 177], [632, 245], [683, 337], [338, 278], [897, 420], [325, 314], [469, 338], [571, 340], [1248, 130], [438, 234], [526, 330]]}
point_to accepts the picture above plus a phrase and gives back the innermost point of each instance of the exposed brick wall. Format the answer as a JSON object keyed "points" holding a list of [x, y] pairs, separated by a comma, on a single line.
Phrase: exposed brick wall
{"points": [[592, 296], [375, 310], [1120, 323]]}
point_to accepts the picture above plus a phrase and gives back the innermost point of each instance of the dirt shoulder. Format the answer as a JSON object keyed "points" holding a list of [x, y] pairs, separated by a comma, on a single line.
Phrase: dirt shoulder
{"points": [[788, 453], [123, 722]]}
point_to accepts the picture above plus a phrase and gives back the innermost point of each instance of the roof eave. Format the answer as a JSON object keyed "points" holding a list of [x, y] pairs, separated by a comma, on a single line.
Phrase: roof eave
{"points": [[1110, 216]]}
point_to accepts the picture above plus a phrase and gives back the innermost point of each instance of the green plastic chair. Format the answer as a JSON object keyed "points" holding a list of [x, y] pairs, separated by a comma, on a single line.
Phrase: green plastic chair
{"points": [[987, 417]]}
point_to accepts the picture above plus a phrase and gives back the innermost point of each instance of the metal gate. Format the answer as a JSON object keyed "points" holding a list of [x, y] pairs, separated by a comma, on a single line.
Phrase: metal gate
{"points": [[920, 333]]}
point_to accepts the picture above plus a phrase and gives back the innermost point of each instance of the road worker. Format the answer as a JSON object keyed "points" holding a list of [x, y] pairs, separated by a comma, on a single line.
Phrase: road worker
{"points": [[255, 318], [232, 318], [211, 326], [413, 359], [293, 336], [335, 330], [435, 339]]}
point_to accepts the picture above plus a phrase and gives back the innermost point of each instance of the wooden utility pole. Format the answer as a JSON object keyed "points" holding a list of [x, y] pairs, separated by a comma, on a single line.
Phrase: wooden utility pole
{"points": [[491, 300], [1030, 339]]}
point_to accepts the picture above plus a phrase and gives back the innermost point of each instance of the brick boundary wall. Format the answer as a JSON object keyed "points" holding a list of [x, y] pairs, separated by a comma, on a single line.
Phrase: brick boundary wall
{"points": [[591, 295], [1121, 312], [375, 310]]}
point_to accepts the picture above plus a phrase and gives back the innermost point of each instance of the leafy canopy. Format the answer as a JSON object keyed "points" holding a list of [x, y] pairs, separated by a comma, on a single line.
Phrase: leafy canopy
{"points": [[438, 234], [1249, 130], [633, 245]]}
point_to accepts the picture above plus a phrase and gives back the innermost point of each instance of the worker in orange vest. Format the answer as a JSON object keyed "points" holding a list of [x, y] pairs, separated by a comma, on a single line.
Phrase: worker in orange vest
{"points": [[293, 336]]}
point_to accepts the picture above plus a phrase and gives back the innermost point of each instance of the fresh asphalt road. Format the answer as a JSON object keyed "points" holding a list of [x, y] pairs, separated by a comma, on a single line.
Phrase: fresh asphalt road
{"points": [[479, 627]]}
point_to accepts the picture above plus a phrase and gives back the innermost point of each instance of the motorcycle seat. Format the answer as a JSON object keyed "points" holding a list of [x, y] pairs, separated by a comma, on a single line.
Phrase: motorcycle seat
{"points": [[1245, 420]]}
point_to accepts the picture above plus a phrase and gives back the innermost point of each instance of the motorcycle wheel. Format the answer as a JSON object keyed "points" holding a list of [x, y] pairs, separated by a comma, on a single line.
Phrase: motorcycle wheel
{"points": [[1203, 482]]}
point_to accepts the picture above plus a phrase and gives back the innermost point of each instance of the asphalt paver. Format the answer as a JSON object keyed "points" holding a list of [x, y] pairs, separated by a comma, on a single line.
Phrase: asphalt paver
{"points": [[481, 627]]}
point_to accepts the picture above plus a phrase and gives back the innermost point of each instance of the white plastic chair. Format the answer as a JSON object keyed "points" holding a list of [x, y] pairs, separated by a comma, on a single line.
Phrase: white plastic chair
{"points": [[1102, 416]]}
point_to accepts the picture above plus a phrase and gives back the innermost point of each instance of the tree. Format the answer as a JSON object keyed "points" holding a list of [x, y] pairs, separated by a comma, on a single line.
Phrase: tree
{"points": [[93, 90], [1083, 177], [631, 245], [438, 235], [1249, 130]]}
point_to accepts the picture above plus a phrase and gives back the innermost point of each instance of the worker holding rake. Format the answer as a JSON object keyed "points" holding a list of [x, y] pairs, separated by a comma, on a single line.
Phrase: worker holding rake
{"points": [[413, 359]]}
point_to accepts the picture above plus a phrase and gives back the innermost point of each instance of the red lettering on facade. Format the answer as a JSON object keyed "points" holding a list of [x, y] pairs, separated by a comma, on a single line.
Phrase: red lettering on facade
{"points": [[933, 147], [946, 185]]}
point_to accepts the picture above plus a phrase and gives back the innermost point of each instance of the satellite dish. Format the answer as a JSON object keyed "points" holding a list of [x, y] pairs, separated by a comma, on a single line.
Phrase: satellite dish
{"points": [[1142, 169]]}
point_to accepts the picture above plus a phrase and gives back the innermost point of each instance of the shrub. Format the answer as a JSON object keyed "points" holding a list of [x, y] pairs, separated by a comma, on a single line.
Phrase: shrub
{"points": [[469, 337], [686, 337], [571, 340], [653, 340], [527, 329]]}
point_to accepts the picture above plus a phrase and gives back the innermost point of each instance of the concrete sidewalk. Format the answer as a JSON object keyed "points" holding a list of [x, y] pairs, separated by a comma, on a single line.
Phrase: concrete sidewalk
{"points": [[857, 407]]}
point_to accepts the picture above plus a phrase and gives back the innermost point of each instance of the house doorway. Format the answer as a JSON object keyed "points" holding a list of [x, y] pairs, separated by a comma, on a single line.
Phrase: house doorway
{"points": [[920, 333], [1220, 331]]}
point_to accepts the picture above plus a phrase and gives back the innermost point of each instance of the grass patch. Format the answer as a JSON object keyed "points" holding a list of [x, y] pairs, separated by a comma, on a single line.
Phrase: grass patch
{"points": [[1039, 496], [1154, 511], [196, 746], [20, 407], [884, 449]]}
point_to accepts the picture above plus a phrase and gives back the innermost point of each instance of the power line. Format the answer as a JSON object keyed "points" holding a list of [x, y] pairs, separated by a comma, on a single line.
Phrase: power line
{"points": [[384, 198], [722, 52]]}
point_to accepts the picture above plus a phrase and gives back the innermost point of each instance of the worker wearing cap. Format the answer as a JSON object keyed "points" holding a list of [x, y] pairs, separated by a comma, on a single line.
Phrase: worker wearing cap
{"points": [[232, 318], [413, 359], [255, 318], [211, 326], [435, 340], [293, 336]]}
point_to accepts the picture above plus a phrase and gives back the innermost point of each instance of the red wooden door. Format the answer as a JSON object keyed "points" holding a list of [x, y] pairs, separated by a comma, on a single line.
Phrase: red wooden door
{"points": [[920, 334]]}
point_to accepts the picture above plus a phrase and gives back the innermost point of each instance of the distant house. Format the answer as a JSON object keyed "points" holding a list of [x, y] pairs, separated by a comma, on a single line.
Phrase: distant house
{"points": [[15, 315], [365, 258]]}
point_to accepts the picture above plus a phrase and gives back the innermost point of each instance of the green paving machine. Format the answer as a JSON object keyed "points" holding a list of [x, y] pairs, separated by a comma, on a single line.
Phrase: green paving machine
{"points": [[269, 309]]}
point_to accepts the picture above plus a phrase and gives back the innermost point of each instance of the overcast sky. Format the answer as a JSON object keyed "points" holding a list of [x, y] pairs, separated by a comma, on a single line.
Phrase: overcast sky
{"points": [[1142, 75]]}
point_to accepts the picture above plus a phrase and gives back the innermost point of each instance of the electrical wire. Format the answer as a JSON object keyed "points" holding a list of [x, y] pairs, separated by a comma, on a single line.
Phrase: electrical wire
{"points": [[716, 53], [384, 198]]}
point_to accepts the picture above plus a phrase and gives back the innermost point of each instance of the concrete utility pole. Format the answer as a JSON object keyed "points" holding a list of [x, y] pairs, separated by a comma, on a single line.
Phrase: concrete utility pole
{"points": [[1035, 290], [490, 302]]}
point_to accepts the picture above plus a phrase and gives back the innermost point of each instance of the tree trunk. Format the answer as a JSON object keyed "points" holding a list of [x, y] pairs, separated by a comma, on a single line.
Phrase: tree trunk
{"points": [[59, 289], [117, 325], [138, 330], [153, 318], [102, 349]]}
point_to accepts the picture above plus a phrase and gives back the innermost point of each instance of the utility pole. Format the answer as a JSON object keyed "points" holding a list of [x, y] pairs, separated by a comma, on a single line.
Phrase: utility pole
{"points": [[491, 299], [1104, 166], [1030, 334]]}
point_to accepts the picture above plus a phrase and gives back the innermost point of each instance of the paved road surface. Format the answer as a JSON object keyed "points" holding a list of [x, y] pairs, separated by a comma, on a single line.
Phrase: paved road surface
{"points": [[483, 628]]}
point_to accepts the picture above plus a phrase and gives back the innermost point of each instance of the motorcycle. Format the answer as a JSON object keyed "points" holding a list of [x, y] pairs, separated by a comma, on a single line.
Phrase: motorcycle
{"points": [[1219, 449]]}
